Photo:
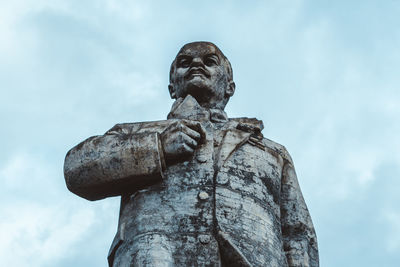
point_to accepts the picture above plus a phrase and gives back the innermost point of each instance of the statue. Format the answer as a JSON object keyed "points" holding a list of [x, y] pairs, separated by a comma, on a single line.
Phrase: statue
{"points": [[197, 189]]}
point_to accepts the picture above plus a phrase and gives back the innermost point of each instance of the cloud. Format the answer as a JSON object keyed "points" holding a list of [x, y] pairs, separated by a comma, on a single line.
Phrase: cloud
{"points": [[36, 225], [322, 77], [38, 234], [41, 224]]}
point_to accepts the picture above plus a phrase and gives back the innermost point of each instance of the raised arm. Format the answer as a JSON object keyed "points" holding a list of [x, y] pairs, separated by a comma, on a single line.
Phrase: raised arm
{"points": [[115, 163], [299, 239]]}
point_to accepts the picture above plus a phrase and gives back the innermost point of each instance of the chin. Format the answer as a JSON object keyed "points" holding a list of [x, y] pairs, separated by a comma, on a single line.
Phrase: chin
{"points": [[200, 92], [197, 81]]}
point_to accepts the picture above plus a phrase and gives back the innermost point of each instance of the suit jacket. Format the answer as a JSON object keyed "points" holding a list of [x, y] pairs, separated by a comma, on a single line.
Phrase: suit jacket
{"points": [[236, 202]]}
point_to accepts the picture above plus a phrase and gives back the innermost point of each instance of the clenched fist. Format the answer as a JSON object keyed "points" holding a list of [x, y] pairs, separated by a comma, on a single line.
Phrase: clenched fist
{"points": [[180, 140]]}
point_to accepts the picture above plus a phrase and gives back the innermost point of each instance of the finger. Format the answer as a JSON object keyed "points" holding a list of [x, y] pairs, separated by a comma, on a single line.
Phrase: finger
{"points": [[192, 133], [185, 149], [172, 127], [190, 141], [195, 125]]}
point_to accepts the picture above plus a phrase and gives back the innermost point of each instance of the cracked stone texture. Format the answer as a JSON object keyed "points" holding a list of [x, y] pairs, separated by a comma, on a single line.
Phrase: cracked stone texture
{"points": [[235, 202]]}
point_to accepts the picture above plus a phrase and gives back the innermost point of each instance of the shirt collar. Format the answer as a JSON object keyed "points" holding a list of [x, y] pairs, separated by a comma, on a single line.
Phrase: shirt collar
{"points": [[218, 115], [190, 109]]}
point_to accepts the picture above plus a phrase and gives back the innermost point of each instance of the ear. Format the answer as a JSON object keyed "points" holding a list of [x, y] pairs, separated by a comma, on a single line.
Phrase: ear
{"points": [[230, 89], [172, 91]]}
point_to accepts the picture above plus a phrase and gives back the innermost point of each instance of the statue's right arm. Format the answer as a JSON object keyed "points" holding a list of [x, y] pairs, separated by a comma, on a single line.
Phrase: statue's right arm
{"points": [[114, 164]]}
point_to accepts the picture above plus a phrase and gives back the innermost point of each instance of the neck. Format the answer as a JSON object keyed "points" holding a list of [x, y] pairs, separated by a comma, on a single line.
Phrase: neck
{"points": [[189, 108], [209, 102]]}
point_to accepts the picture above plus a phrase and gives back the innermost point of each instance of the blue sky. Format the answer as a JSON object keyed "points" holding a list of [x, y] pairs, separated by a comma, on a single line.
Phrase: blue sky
{"points": [[322, 75]]}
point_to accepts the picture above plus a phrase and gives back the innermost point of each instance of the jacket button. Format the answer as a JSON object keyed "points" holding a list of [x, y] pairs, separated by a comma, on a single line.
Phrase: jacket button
{"points": [[203, 195], [202, 158], [204, 239], [222, 179]]}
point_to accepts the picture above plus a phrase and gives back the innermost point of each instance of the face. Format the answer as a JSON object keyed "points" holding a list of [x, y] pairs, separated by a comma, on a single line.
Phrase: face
{"points": [[201, 72]]}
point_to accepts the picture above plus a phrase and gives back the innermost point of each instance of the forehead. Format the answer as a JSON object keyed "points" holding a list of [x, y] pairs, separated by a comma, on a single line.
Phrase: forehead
{"points": [[198, 50]]}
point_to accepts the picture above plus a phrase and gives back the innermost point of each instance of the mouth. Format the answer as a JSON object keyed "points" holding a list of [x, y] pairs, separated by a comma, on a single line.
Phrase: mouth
{"points": [[197, 72]]}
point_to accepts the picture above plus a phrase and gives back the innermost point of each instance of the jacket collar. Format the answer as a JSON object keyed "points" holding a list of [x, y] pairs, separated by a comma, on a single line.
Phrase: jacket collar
{"points": [[190, 109]]}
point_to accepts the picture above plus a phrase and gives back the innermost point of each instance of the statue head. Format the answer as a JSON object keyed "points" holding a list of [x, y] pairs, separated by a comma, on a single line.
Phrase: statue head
{"points": [[202, 70]]}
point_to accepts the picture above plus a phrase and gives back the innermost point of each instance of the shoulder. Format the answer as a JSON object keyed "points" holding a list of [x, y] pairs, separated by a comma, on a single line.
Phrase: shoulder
{"points": [[139, 127], [252, 125], [278, 148], [255, 127]]}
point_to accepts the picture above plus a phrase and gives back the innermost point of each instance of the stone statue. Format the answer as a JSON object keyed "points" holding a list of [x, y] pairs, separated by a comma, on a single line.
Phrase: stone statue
{"points": [[197, 189]]}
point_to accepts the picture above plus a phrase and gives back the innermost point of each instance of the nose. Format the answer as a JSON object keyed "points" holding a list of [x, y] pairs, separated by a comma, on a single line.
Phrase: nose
{"points": [[197, 62]]}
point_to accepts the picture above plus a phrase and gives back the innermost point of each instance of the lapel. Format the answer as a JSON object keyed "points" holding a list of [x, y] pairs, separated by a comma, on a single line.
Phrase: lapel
{"points": [[188, 109], [231, 141], [237, 132]]}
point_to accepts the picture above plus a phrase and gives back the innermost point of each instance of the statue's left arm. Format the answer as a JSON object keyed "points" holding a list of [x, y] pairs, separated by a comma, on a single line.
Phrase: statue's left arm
{"points": [[299, 238]]}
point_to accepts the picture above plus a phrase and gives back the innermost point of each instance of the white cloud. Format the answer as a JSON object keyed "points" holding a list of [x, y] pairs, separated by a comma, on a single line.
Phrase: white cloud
{"points": [[16, 41], [41, 223], [323, 78], [25, 170], [36, 227], [34, 234]]}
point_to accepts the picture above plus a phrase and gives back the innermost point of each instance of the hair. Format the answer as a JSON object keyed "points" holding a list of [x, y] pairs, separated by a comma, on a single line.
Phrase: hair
{"points": [[225, 61]]}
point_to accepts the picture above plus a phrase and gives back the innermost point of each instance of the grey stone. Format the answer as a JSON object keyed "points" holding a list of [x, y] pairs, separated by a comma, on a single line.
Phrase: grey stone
{"points": [[203, 195], [197, 189]]}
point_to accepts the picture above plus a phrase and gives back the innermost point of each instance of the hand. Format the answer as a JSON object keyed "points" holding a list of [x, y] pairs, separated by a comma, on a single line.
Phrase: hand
{"points": [[180, 140]]}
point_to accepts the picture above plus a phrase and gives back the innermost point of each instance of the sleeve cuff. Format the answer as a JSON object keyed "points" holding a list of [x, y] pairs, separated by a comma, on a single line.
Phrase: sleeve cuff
{"points": [[162, 164]]}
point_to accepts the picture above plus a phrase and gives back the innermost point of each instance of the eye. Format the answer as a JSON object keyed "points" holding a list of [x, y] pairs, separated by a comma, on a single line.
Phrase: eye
{"points": [[183, 62], [211, 60]]}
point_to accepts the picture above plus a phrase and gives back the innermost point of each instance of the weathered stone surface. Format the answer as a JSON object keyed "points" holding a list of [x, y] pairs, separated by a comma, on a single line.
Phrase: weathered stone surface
{"points": [[197, 189]]}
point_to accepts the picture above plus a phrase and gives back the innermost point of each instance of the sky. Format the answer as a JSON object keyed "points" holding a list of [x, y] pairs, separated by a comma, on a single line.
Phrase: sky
{"points": [[322, 75]]}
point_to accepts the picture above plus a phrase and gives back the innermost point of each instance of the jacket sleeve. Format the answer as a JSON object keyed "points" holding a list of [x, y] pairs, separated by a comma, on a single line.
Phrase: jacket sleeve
{"points": [[114, 163], [299, 238]]}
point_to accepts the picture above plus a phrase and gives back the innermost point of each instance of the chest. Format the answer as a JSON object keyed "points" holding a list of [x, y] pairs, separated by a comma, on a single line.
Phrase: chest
{"points": [[254, 171], [228, 158]]}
